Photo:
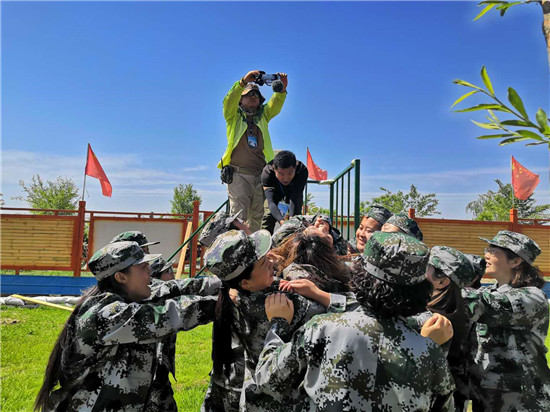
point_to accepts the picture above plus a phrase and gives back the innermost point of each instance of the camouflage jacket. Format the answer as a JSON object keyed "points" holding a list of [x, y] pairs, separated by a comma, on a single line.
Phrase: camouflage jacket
{"points": [[354, 362], [511, 328], [112, 361]]}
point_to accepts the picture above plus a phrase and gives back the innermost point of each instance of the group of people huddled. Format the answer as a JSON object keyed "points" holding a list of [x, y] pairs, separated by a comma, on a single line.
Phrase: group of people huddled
{"points": [[303, 319], [299, 324]]}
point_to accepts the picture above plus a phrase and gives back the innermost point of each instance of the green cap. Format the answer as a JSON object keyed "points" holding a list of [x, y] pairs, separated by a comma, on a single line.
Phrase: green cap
{"points": [[117, 256], [521, 245], [406, 224], [379, 213], [396, 258], [454, 264], [233, 251], [133, 236]]}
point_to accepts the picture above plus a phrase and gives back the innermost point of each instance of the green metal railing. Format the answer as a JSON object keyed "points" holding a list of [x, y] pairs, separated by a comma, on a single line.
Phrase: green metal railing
{"points": [[190, 240], [338, 187]]}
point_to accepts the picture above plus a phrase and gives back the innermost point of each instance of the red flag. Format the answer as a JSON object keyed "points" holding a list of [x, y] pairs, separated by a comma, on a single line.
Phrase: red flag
{"points": [[314, 171], [94, 169], [523, 180]]}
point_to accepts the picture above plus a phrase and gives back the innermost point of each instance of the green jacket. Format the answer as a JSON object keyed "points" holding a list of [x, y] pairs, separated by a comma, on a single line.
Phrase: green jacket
{"points": [[236, 121]]}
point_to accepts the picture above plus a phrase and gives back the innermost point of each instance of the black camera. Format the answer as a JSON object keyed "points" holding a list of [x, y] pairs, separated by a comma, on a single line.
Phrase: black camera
{"points": [[273, 80]]}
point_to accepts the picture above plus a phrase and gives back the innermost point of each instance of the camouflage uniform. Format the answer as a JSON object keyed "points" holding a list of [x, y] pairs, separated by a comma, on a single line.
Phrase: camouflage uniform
{"points": [[160, 265], [509, 370], [356, 361], [290, 227], [230, 252], [406, 224], [220, 223], [112, 362], [379, 213]]}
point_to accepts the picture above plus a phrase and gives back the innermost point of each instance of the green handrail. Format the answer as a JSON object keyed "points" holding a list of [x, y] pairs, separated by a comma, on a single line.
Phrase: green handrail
{"points": [[336, 196], [196, 231]]}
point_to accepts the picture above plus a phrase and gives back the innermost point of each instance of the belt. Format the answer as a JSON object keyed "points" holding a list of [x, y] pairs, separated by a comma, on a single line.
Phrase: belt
{"points": [[245, 171]]}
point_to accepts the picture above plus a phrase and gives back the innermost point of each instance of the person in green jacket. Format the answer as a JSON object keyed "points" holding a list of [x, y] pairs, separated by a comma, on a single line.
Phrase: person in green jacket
{"points": [[249, 144]]}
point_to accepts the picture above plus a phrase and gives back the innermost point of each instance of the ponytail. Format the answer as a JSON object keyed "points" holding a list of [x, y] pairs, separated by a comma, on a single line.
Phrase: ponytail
{"points": [[222, 353]]}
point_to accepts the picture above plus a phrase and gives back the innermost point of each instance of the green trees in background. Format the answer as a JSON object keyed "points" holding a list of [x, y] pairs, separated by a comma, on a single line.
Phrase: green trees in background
{"points": [[495, 206], [400, 202], [59, 194], [184, 196]]}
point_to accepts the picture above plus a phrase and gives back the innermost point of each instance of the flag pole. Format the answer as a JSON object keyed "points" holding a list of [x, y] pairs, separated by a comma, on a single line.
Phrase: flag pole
{"points": [[512, 172], [84, 185]]}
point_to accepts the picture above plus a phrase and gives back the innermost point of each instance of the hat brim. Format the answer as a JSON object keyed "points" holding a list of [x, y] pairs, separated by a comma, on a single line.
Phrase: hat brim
{"points": [[148, 258], [491, 242], [262, 242], [168, 265]]}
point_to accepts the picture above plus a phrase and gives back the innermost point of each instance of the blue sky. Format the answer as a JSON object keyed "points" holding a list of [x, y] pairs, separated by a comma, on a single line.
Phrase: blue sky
{"points": [[143, 83]]}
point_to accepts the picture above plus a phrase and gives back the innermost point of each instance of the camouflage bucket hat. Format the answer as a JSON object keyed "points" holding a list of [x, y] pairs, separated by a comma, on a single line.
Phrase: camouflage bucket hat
{"points": [[220, 223], [521, 245], [233, 251], [160, 265], [396, 258], [454, 264], [478, 263], [379, 213], [326, 218], [133, 236], [304, 271], [117, 256], [407, 225]]}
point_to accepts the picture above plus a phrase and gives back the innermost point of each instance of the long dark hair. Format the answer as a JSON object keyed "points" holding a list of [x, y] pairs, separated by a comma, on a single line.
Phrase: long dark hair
{"points": [[222, 354], [525, 274], [53, 372], [385, 299], [311, 249]]}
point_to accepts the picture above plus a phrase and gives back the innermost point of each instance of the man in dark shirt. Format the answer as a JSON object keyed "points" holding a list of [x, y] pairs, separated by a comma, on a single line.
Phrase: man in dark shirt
{"points": [[284, 180]]}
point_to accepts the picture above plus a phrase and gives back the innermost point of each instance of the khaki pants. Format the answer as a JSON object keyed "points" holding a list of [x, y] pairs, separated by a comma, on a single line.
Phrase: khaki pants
{"points": [[247, 194]]}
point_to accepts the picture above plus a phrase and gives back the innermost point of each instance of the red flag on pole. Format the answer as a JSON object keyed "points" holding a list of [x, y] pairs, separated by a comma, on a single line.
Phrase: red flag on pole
{"points": [[523, 180], [94, 169], [314, 171]]}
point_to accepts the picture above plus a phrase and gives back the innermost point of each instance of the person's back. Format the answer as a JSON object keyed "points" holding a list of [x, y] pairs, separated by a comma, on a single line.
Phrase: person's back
{"points": [[356, 362], [367, 359]]}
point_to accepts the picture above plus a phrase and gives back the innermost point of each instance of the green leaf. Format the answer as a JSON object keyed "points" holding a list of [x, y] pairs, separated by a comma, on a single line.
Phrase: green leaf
{"points": [[465, 83], [487, 80], [537, 143], [516, 101], [463, 97], [493, 116], [512, 140], [529, 134], [493, 136], [485, 10], [491, 126], [485, 106], [518, 123], [542, 120]]}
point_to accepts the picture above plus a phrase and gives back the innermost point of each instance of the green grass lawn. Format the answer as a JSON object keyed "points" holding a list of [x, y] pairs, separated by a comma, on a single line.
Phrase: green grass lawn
{"points": [[28, 335]]}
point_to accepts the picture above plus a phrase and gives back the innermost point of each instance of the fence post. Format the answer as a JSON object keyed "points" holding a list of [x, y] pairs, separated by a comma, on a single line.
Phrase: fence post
{"points": [[193, 254], [356, 215], [77, 249], [514, 221]]}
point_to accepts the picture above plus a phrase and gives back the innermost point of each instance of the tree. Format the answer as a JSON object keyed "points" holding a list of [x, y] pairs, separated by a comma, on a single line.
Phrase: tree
{"points": [[59, 194], [184, 196], [520, 121], [312, 208], [424, 205], [495, 206]]}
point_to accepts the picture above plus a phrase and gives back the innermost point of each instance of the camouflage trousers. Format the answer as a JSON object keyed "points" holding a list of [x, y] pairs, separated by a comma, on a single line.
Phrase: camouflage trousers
{"points": [[220, 399], [246, 194], [493, 400]]}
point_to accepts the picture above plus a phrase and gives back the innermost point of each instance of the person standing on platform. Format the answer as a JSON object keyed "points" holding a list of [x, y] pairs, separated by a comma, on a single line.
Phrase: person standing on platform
{"points": [[284, 180], [248, 144]]}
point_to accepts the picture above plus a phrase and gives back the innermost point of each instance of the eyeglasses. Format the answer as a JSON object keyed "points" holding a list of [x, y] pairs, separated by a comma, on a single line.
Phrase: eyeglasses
{"points": [[252, 94]]}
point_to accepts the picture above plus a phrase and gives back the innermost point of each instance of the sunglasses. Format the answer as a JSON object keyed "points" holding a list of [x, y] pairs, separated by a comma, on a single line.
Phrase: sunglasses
{"points": [[252, 94]]}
